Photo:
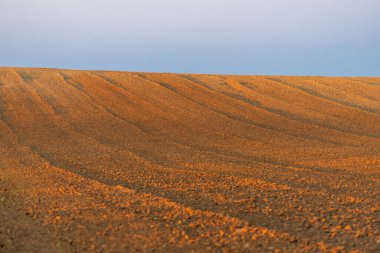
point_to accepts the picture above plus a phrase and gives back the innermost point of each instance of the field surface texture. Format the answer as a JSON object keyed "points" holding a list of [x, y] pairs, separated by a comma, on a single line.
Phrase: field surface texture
{"points": [[95, 161]]}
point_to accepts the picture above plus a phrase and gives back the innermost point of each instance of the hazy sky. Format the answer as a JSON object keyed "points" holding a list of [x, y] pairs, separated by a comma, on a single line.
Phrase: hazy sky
{"points": [[293, 37]]}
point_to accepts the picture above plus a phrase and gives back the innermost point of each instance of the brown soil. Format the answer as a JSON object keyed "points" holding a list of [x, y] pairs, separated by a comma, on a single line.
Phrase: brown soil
{"points": [[94, 161]]}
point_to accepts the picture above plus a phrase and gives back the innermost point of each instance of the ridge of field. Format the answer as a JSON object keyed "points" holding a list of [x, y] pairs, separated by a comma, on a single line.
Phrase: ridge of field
{"points": [[102, 161]]}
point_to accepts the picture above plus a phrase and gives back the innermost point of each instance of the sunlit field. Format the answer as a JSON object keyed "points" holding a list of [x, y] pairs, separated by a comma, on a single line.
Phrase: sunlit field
{"points": [[95, 161]]}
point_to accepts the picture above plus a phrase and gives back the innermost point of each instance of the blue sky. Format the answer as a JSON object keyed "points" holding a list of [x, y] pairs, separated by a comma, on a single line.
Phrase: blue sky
{"points": [[285, 37]]}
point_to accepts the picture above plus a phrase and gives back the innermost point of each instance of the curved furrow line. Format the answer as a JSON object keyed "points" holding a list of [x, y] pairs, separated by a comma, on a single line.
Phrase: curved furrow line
{"points": [[85, 172], [248, 158], [102, 182], [254, 89], [173, 90], [142, 187], [348, 103], [167, 210], [204, 204], [2, 107], [83, 133], [259, 125], [195, 80], [163, 111], [110, 81], [364, 89], [108, 111], [55, 111], [293, 117], [156, 191], [70, 128], [21, 141], [146, 158], [272, 96], [289, 114], [328, 84], [321, 96], [24, 75], [369, 83], [232, 117], [165, 139], [251, 122]]}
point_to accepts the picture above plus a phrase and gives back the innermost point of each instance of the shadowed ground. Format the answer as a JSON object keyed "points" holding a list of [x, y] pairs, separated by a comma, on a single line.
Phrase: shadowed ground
{"points": [[94, 161]]}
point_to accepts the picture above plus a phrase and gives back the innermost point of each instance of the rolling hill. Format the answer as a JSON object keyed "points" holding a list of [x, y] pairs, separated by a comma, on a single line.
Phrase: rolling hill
{"points": [[99, 161]]}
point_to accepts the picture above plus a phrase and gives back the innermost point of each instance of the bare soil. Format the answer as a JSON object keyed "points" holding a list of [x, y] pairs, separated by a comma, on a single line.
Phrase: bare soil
{"points": [[95, 161]]}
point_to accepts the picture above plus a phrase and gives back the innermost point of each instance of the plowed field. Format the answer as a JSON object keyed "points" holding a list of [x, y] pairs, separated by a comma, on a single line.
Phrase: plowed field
{"points": [[96, 161]]}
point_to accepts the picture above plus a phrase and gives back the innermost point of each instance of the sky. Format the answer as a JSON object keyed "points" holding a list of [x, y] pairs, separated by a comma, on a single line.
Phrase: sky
{"points": [[279, 37]]}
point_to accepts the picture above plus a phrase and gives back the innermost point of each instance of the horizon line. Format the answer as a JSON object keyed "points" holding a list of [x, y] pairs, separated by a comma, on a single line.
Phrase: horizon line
{"points": [[182, 73]]}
